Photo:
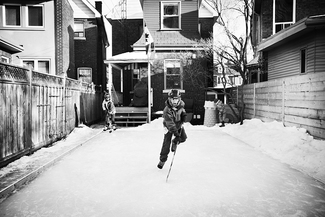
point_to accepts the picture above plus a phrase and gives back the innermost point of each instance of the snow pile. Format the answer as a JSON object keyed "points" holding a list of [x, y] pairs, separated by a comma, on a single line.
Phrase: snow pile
{"points": [[290, 145], [44, 155]]}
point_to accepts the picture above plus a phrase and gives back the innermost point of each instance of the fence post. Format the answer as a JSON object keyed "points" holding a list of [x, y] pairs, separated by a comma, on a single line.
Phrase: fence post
{"points": [[254, 100], [283, 101], [64, 104], [30, 117]]}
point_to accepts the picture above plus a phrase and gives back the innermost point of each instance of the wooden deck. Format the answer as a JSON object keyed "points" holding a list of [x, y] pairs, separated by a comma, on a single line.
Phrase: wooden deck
{"points": [[131, 116]]}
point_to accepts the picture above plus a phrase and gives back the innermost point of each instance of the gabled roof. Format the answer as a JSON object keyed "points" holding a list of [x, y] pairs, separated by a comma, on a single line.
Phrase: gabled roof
{"points": [[169, 40], [9, 46], [83, 9], [133, 10], [301, 27]]}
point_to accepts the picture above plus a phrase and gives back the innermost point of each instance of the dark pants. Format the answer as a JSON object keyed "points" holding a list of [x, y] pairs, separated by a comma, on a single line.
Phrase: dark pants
{"points": [[110, 120], [167, 141]]}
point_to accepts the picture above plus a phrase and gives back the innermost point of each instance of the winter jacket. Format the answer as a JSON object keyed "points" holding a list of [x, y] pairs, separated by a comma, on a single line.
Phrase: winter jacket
{"points": [[174, 117], [108, 106], [220, 106]]}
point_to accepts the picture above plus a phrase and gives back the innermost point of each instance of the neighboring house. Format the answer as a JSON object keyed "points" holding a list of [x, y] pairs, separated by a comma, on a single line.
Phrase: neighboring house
{"points": [[288, 71], [43, 29], [92, 33], [288, 37], [174, 26], [51, 41]]}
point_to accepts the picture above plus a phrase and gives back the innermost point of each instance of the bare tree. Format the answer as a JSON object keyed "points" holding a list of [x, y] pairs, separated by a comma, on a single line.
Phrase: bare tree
{"points": [[231, 45]]}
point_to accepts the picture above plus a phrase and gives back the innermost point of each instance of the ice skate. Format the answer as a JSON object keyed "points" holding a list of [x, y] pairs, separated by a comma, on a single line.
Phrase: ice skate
{"points": [[161, 164]]}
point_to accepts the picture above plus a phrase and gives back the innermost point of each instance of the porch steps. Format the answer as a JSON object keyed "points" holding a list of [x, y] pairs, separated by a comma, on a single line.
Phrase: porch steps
{"points": [[131, 116]]}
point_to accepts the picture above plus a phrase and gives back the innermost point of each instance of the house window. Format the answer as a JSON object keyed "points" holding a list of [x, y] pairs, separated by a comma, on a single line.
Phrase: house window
{"points": [[79, 29], [4, 59], [170, 15], [173, 72], [85, 74], [37, 65], [284, 13], [303, 61], [12, 15], [35, 15]]}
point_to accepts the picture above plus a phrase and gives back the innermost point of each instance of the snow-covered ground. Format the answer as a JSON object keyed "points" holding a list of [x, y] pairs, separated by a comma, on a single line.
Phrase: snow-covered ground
{"points": [[290, 145], [214, 173]]}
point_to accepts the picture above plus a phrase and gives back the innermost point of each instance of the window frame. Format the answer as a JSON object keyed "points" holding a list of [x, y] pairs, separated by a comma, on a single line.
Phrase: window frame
{"points": [[27, 15], [84, 32], [303, 60], [162, 16], [36, 64], [4, 12], [88, 78], [283, 24], [166, 75]]}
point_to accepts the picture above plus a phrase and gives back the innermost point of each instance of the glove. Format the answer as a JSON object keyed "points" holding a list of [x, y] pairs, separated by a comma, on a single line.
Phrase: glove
{"points": [[176, 134], [176, 139], [183, 117]]}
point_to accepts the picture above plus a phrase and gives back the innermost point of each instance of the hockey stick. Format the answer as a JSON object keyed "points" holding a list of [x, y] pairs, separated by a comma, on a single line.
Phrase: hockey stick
{"points": [[171, 164]]}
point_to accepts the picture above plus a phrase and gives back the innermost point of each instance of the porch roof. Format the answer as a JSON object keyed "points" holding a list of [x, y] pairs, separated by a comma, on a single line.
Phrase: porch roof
{"points": [[127, 57], [9, 46]]}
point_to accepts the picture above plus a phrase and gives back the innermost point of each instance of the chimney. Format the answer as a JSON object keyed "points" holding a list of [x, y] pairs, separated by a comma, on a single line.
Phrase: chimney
{"points": [[98, 6]]}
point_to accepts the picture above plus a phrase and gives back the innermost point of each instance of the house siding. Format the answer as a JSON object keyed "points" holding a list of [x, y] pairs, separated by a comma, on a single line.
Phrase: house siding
{"points": [[284, 60], [189, 15], [152, 14], [319, 62]]}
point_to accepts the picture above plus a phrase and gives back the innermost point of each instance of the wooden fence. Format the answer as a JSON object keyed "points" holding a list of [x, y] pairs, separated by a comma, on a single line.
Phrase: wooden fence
{"points": [[38, 109], [296, 101]]}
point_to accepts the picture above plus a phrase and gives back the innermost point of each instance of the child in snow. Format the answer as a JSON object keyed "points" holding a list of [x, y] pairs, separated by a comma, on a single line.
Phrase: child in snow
{"points": [[222, 112], [174, 116], [109, 108]]}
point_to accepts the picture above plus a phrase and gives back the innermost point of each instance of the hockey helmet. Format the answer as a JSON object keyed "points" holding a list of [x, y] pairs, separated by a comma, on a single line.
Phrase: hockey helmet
{"points": [[174, 93]]}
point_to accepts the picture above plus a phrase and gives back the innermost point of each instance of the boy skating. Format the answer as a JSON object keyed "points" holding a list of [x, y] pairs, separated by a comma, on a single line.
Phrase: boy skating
{"points": [[109, 108], [174, 116]]}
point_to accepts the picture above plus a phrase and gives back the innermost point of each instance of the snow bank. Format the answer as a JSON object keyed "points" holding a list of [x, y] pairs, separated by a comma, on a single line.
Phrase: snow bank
{"points": [[290, 145]]}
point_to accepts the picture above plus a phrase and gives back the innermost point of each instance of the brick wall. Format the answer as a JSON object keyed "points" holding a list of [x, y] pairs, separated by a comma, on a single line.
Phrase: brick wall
{"points": [[125, 33], [86, 51], [64, 38]]}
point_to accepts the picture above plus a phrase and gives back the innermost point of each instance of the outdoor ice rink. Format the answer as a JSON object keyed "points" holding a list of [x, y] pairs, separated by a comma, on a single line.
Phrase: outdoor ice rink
{"points": [[213, 174]]}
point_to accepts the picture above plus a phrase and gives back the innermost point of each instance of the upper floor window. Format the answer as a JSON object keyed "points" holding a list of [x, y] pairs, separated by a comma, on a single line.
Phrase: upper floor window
{"points": [[173, 74], [35, 15], [284, 13], [79, 29], [37, 65], [12, 15], [23, 16], [170, 15]]}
